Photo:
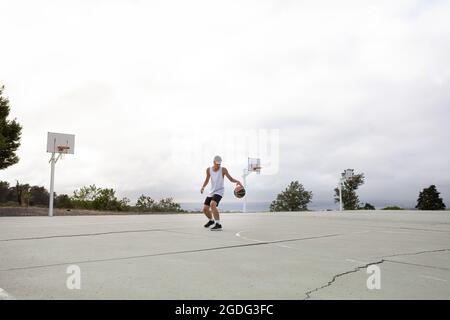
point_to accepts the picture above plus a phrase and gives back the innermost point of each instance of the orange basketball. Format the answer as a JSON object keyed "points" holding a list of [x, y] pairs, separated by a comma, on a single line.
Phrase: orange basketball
{"points": [[239, 192]]}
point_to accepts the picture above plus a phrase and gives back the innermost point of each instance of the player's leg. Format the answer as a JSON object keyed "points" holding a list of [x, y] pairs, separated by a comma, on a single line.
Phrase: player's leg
{"points": [[207, 212], [215, 211]]}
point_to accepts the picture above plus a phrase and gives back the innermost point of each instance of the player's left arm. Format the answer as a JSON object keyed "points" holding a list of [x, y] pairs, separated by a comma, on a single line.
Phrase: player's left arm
{"points": [[227, 174]]}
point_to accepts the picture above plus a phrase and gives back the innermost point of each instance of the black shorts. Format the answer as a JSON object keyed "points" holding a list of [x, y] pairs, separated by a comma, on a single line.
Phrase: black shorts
{"points": [[215, 197]]}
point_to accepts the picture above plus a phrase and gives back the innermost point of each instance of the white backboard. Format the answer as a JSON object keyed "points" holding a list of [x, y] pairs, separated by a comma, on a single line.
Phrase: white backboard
{"points": [[54, 140]]}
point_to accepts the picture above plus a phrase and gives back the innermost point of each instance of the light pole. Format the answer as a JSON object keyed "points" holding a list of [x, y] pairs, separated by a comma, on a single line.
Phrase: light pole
{"points": [[52, 184], [347, 174]]}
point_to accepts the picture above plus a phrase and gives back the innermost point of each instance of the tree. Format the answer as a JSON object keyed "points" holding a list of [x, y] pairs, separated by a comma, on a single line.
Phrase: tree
{"points": [[349, 197], [105, 199], [63, 201], [39, 196], [10, 132], [23, 194], [20, 193], [429, 199], [4, 191], [86, 193], [145, 204], [293, 198], [83, 198], [367, 206], [95, 198], [168, 205], [26, 197]]}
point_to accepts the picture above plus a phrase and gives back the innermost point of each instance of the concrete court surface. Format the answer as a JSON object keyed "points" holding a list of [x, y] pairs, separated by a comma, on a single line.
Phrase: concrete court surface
{"points": [[309, 255]]}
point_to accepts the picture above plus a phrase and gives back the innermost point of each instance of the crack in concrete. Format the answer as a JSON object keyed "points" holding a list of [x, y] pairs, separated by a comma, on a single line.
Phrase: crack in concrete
{"points": [[308, 293], [335, 277]]}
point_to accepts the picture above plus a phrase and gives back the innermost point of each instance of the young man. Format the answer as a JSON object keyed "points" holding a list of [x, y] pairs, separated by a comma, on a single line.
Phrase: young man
{"points": [[216, 174]]}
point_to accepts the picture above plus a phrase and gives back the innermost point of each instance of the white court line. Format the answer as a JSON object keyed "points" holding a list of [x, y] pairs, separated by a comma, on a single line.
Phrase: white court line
{"points": [[357, 232], [433, 278], [245, 238], [238, 234], [5, 295], [399, 232], [259, 241], [379, 231], [281, 245]]}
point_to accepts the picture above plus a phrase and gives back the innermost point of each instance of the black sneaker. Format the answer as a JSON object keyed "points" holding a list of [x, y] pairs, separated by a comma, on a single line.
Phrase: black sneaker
{"points": [[209, 224], [217, 227]]}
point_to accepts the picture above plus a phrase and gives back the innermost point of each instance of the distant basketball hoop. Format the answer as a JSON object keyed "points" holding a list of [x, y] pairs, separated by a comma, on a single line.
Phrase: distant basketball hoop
{"points": [[348, 174], [63, 149], [61, 144], [253, 165]]}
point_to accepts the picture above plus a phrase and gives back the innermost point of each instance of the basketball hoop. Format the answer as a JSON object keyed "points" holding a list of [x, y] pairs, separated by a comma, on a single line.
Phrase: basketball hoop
{"points": [[257, 170], [63, 149], [254, 165], [348, 174], [61, 144]]}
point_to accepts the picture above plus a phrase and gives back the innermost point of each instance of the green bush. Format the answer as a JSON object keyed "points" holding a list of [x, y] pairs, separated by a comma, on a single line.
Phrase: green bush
{"points": [[87, 198], [147, 204], [393, 208], [93, 198], [167, 205], [9, 204], [63, 201]]}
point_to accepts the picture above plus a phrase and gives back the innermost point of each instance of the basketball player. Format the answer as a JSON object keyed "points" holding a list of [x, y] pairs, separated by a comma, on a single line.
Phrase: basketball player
{"points": [[216, 174]]}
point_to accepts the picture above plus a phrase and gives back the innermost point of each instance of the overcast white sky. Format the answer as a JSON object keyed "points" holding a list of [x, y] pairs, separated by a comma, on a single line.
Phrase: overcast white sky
{"points": [[348, 84]]}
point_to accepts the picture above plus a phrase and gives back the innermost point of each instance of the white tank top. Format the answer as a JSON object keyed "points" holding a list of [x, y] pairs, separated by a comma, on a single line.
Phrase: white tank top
{"points": [[216, 182]]}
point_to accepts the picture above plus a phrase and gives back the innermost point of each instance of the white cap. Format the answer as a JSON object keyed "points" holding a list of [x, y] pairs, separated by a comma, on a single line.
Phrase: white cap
{"points": [[218, 159]]}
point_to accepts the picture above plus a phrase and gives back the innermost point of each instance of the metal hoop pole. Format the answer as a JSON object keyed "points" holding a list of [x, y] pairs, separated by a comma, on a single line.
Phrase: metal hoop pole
{"points": [[52, 183]]}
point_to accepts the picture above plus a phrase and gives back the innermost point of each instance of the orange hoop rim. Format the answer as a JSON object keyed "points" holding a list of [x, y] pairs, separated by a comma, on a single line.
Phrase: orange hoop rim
{"points": [[62, 148]]}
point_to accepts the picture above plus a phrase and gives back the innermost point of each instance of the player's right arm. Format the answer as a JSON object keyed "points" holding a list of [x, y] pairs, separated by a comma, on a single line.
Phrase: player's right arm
{"points": [[206, 181]]}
